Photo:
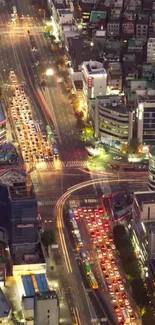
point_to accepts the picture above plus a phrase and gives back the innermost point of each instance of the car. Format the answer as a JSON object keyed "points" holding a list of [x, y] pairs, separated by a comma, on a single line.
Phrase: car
{"points": [[121, 287], [126, 301]]}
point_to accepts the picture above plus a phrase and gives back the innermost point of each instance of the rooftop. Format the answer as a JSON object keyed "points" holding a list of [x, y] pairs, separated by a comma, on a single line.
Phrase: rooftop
{"points": [[2, 115], [93, 67], [146, 197], [80, 51], [4, 305], [46, 295], [28, 303], [96, 16], [34, 283], [16, 181], [112, 103]]}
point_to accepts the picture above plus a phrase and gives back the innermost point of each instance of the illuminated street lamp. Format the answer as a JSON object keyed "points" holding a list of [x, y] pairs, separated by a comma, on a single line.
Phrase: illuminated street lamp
{"points": [[49, 72]]}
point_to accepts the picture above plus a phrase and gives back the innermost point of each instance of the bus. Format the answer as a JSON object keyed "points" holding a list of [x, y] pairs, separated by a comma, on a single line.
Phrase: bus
{"points": [[71, 214], [74, 224], [126, 316], [14, 10], [48, 129], [92, 281], [87, 267], [55, 150], [79, 240], [83, 253]]}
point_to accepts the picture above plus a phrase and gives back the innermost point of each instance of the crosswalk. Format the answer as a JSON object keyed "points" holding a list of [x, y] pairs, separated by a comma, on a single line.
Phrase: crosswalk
{"points": [[63, 164]]}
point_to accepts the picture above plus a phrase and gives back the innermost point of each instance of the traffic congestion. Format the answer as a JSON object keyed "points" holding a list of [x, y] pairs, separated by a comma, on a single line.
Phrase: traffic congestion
{"points": [[99, 230], [35, 145]]}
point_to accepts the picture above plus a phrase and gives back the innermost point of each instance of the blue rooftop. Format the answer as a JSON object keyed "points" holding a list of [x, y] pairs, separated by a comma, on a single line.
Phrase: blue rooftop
{"points": [[2, 115], [34, 283]]}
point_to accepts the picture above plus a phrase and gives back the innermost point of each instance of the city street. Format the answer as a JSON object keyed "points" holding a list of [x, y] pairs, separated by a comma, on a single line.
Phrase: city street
{"points": [[54, 109]]}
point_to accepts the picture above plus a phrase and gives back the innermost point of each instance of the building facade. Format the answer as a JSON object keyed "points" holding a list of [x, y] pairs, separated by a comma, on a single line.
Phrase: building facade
{"points": [[46, 308], [94, 79], [2, 123], [112, 121], [145, 117], [151, 50], [151, 177], [144, 224], [18, 201]]}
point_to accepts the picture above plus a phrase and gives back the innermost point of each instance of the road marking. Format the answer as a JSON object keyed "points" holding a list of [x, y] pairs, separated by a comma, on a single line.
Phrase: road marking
{"points": [[47, 203]]}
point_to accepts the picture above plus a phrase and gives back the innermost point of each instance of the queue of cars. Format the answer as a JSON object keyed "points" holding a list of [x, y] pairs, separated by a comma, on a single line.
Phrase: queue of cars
{"points": [[100, 231], [33, 143]]}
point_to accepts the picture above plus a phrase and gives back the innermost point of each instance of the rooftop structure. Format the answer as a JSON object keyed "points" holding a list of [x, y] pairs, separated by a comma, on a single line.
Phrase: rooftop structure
{"points": [[34, 283], [16, 181]]}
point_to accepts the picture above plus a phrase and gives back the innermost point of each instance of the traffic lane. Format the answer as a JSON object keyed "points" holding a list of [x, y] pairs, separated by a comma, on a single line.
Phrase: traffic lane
{"points": [[60, 102], [79, 295], [7, 57], [25, 60]]}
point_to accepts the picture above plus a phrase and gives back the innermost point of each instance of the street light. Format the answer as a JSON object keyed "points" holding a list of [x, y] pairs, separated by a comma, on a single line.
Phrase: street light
{"points": [[49, 72]]}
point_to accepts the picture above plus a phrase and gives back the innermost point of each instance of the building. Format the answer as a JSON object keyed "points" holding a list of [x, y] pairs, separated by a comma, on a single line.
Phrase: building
{"points": [[115, 78], [151, 177], [19, 205], [142, 24], [145, 116], [144, 224], [97, 20], [128, 25], [94, 79], [85, 7], [78, 52], [2, 123], [151, 50], [5, 309], [28, 308], [114, 24], [112, 121], [46, 308]]}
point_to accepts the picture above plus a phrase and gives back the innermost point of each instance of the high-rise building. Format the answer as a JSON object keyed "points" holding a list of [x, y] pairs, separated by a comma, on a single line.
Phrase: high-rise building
{"points": [[145, 116], [19, 205], [144, 224], [151, 177], [2, 124], [94, 79], [46, 308], [112, 120]]}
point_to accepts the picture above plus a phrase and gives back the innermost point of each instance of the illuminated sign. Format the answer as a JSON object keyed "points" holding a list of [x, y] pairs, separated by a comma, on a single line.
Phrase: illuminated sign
{"points": [[89, 82], [25, 226]]}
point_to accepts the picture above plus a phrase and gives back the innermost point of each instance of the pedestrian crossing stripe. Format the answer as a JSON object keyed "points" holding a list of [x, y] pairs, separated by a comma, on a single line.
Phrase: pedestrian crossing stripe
{"points": [[47, 203], [65, 164]]}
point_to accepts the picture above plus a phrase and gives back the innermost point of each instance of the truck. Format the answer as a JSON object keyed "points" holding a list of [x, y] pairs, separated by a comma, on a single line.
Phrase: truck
{"points": [[14, 10]]}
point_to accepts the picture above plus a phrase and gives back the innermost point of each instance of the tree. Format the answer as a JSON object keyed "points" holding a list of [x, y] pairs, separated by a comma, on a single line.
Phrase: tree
{"points": [[87, 133], [133, 146], [120, 235], [139, 292], [132, 269], [47, 238], [148, 317]]}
